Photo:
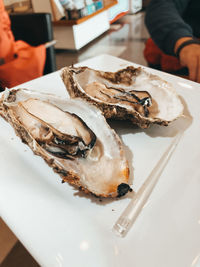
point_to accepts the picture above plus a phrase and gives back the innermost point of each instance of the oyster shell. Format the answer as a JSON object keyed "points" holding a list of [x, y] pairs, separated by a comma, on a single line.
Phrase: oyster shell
{"points": [[129, 93], [72, 137]]}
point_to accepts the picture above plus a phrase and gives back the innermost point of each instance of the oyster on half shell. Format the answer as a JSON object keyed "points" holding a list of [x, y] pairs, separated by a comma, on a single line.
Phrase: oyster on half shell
{"points": [[129, 93], [72, 137]]}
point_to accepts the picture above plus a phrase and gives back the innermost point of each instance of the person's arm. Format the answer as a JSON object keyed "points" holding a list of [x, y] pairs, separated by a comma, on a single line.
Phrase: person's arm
{"points": [[165, 25], [169, 31], [189, 57], [6, 37]]}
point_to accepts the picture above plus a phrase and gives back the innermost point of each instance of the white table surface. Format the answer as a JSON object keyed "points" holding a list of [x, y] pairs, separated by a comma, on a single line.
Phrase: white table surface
{"points": [[62, 227]]}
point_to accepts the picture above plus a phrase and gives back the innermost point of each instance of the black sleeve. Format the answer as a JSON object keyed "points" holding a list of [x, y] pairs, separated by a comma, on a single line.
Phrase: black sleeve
{"points": [[165, 24]]}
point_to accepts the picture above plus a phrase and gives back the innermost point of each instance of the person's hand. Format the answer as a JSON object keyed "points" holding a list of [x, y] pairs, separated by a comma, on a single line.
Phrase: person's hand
{"points": [[190, 57]]}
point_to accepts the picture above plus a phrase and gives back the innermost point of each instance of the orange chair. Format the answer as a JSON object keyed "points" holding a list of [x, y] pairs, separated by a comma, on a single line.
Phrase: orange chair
{"points": [[35, 29]]}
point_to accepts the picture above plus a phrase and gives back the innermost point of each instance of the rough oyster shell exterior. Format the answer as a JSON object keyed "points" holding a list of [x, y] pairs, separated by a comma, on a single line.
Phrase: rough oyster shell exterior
{"points": [[166, 105], [102, 170]]}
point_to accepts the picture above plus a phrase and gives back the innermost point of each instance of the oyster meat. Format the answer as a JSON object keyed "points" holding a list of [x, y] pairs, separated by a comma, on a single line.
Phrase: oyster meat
{"points": [[72, 137], [129, 93]]}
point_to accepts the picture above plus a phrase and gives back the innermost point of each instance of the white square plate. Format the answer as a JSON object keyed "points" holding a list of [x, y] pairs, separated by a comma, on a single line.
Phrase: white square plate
{"points": [[62, 227]]}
